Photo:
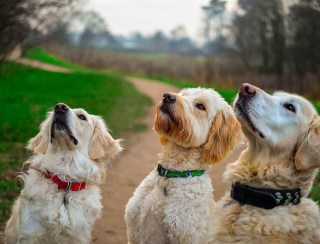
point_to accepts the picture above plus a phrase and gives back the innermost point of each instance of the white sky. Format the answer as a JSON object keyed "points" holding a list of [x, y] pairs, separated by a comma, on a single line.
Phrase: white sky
{"points": [[146, 16]]}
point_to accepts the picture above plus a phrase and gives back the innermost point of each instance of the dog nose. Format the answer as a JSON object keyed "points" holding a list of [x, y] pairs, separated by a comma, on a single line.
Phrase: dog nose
{"points": [[168, 98], [61, 107], [247, 90]]}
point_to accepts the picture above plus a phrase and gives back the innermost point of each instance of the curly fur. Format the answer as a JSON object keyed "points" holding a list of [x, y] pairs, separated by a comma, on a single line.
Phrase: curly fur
{"points": [[192, 139]]}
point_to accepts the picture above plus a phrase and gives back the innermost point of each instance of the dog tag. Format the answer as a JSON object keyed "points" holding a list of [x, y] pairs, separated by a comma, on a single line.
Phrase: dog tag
{"points": [[66, 198], [165, 191], [163, 183]]}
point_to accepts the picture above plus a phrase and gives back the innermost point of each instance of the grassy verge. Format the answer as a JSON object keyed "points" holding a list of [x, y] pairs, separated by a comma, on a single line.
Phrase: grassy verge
{"points": [[39, 53], [26, 94], [228, 95]]}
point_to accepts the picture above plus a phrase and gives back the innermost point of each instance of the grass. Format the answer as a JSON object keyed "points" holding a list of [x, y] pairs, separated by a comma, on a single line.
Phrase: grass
{"points": [[39, 53], [27, 94], [228, 95], [315, 191]]}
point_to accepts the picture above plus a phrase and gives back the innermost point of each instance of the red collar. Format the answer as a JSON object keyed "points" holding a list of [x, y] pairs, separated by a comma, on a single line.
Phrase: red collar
{"points": [[65, 185]]}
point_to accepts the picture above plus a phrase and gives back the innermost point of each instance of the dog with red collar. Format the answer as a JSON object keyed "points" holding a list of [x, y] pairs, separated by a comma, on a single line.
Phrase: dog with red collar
{"points": [[61, 197]]}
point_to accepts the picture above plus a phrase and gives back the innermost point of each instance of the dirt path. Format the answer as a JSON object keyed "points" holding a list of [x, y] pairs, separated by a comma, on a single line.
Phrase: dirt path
{"points": [[40, 65], [126, 173], [138, 159]]}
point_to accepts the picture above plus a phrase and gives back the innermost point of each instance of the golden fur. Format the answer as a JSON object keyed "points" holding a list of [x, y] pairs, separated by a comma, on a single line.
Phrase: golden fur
{"points": [[222, 136], [286, 157], [224, 132], [196, 130]]}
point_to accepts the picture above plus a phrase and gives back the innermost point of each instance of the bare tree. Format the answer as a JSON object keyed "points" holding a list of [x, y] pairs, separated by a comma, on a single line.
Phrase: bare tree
{"points": [[260, 34], [20, 19], [214, 20], [304, 47]]}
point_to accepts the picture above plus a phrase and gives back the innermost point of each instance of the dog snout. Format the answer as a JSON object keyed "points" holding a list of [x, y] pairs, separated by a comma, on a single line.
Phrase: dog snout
{"points": [[247, 90], [169, 98], [61, 108]]}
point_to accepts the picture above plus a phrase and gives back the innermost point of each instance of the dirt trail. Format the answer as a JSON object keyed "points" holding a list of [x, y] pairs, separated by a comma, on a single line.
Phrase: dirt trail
{"points": [[126, 172], [40, 65], [139, 158]]}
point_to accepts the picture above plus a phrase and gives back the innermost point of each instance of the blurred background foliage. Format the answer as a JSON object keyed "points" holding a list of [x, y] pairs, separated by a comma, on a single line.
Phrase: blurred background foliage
{"points": [[274, 43]]}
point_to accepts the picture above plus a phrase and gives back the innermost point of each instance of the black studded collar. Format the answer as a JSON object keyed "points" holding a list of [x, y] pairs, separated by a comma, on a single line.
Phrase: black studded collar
{"points": [[264, 197]]}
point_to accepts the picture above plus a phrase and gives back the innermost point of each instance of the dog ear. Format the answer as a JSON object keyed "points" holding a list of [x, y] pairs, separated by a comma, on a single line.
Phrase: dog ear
{"points": [[224, 133], [102, 145], [308, 153], [40, 142]]}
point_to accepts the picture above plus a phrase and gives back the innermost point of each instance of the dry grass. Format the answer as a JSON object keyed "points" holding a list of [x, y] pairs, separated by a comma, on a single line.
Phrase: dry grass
{"points": [[223, 73]]}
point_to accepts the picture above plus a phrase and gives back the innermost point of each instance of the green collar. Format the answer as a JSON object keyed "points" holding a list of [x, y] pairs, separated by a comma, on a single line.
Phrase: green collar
{"points": [[178, 174]]}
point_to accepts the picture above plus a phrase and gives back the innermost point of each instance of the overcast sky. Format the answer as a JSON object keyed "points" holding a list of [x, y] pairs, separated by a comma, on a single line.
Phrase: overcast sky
{"points": [[146, 16]]}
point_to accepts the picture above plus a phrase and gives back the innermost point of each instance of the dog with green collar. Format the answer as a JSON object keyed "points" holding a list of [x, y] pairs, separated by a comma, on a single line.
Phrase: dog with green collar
{"points": [[174, 202]]}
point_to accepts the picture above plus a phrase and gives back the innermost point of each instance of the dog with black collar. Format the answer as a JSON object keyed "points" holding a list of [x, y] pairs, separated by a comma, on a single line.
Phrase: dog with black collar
{"points": [[272, 178], [174, 202]]}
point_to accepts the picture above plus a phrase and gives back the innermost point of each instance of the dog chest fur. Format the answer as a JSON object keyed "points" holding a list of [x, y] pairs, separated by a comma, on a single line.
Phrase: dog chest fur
{"points": [[44, 218], [179, 217]]}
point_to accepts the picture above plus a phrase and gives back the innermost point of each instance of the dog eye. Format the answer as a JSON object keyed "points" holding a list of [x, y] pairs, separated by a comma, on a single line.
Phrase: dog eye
{"points": [[200, 106], [82, 117], [290, 107]]}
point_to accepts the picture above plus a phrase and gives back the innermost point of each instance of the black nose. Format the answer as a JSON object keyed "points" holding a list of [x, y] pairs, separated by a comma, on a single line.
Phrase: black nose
{"points": [[168, 98], [247, 90], [61, 108]]}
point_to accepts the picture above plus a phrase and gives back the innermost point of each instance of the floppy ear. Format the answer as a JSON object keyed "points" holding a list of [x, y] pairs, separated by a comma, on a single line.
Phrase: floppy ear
{"points": [[224, 133], [39, 143], [308, 153], [102, 145]]}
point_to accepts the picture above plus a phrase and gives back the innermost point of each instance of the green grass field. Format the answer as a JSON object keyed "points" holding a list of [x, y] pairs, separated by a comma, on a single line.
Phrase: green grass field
{"points": [[39, 53], [27, 94]]}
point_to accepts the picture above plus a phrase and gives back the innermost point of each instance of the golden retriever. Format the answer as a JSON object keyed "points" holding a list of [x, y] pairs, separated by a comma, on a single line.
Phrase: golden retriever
{"points": [[174, 202], [60, 199], [273, 176]]}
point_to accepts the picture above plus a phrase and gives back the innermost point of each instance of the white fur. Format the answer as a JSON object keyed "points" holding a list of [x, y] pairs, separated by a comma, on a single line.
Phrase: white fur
{"points": [[183, 214], [273, 161], [40, 215]]}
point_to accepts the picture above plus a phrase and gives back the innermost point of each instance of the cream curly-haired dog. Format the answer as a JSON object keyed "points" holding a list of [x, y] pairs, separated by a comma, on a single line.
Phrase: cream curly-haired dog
{"points": [[61, 197], [173, 203], [273, 176]]}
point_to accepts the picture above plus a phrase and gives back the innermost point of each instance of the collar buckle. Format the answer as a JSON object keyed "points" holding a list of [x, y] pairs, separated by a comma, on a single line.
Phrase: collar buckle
{"points": [[67, 185]]}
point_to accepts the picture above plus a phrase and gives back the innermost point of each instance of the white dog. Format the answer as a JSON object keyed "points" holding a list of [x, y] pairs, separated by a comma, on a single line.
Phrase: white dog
{"points": [[61, 199], [274, 175], [173, 203]]}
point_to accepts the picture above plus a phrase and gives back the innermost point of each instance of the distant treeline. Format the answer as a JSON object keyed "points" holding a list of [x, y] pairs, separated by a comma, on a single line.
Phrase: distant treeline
{"points": [[271, 37], [96, 34], [272, 43]]}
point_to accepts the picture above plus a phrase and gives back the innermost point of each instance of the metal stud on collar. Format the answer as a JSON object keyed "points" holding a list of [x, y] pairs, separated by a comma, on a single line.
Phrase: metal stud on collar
{"points": [[279, 197]]}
